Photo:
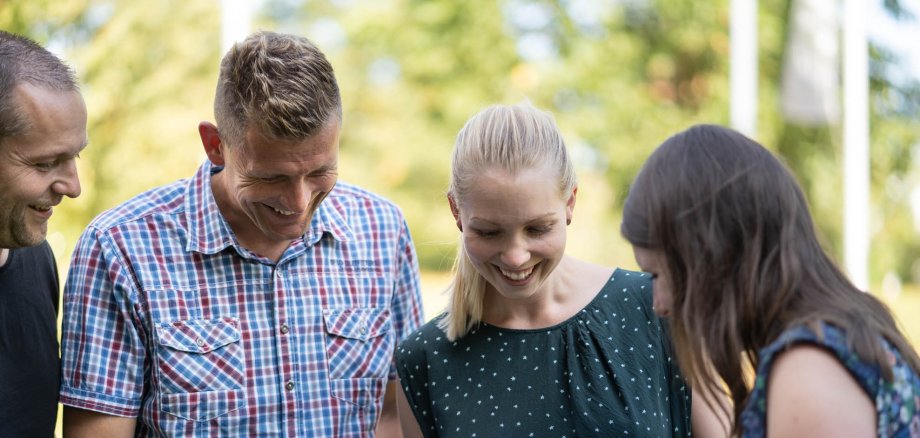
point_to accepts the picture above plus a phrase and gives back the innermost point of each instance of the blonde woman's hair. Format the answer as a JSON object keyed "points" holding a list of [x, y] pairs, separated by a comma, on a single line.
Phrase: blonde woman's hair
{"points": [[283, 84], [514, 138]]}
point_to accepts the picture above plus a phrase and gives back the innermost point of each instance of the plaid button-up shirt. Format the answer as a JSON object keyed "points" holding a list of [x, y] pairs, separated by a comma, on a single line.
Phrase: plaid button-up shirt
{"points": [[167, 319]]}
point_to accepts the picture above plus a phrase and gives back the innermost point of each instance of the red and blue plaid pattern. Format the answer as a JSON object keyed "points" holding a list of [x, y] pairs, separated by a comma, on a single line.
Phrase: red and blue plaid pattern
{"points": [[168, 319]]}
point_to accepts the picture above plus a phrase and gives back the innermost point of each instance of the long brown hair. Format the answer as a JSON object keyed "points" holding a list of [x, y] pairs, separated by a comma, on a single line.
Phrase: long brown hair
{"points": [[744, 259]]}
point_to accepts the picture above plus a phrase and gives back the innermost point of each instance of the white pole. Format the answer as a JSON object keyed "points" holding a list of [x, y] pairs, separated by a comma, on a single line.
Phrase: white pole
{"points": [[856, 142], [236, 18], [743, 64]]}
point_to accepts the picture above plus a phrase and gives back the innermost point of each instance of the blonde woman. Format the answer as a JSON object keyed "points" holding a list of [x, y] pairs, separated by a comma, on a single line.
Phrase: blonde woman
{"points": [[534, 342]]}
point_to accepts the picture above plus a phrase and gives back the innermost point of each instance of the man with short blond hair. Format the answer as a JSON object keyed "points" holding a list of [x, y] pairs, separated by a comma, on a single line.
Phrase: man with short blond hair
{"points": [[260, 297]]}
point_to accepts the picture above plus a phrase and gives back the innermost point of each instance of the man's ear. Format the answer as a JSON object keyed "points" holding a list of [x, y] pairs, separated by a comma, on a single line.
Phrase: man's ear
{"points": [[570, 206], [210, 139], [455, 211]]}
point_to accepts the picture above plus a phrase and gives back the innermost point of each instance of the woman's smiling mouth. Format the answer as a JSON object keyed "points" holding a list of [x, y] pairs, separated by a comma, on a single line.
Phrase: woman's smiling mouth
{"points": [[517, 275]]}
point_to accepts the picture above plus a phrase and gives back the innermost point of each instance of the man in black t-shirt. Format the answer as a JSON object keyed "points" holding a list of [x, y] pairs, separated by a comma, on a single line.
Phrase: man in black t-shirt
{"points": [[42, 131]]}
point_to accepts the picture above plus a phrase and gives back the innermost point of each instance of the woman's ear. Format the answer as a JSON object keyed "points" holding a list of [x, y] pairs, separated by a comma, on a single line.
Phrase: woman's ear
{"points": [[455, 211], [210, 139], [570, 206]]}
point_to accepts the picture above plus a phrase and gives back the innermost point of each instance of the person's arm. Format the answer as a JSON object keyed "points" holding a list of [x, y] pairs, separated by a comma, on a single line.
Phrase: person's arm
{"points": [[388, 424], [407, 290], [707, 417], [407, 317], [410, 427], [80, 423], [102, 354], [811, 394]]}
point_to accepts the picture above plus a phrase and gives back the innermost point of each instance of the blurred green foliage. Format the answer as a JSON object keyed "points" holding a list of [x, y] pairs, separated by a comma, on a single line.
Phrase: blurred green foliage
{"points": [[619, 76]]}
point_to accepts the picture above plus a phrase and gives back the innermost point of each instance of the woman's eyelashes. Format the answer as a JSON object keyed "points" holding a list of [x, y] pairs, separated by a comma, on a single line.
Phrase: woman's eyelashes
{"points": [[485, 233], [531, 231]]}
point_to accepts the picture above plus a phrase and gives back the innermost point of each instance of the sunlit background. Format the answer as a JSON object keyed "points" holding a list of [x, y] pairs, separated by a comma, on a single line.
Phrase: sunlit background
{"points": [[620, 76]]}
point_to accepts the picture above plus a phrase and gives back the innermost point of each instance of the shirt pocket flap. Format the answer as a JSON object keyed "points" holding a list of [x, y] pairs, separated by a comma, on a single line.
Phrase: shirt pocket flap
{"points": [[357, 323], [199, 335]]}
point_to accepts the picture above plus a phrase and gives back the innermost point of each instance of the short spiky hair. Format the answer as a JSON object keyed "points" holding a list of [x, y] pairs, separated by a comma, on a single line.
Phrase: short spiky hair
{"points": [[281, 83], [25, 61]]}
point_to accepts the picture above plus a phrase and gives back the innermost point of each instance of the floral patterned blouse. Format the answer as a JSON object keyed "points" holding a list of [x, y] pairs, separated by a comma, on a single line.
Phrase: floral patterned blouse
{"points": [[897, 403]]}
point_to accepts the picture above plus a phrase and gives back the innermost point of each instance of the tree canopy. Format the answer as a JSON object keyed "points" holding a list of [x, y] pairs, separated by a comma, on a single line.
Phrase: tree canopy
{"points": [[620, 77]]}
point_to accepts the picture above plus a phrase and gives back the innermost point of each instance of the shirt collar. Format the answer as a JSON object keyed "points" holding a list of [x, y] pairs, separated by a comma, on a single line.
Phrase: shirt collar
{"points": [[331, 217], [209, 232]]}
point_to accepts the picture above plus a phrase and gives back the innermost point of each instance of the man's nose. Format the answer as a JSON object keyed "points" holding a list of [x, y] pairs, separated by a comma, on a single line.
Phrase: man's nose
{"points": [[68, 181], [298, 196]]}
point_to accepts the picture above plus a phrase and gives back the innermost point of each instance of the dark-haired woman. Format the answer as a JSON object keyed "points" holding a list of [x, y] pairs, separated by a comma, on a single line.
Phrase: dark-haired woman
{"points": [[725, 231]]}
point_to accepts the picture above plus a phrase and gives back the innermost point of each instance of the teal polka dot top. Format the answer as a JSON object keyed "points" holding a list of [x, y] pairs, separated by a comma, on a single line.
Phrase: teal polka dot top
{"points": [[607, 371]]}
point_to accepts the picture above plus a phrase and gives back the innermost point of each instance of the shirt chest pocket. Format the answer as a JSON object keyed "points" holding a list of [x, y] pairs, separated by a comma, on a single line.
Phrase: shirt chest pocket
{"points": [[358, 342], [200, 368]]}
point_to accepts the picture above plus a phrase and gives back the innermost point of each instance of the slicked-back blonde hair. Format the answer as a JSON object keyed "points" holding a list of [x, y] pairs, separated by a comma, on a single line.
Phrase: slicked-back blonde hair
{"points": [[514, 138], [281, 83]]}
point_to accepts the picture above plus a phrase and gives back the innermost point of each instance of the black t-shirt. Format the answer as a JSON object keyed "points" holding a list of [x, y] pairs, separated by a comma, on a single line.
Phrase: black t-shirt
{"points": [[29, 356]]}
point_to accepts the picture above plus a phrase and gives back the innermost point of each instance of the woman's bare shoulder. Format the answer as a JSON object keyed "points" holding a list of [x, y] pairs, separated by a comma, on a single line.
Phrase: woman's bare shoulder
{"points": [[811, 393]]}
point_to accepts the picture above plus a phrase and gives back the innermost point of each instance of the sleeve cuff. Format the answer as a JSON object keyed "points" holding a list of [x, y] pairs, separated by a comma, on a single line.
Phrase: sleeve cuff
{"points": [[103, 403]]}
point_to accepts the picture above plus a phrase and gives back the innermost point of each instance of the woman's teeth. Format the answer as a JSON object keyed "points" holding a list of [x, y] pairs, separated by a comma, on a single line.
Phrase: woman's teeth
{"points": [[520, 275], [283, 212]]}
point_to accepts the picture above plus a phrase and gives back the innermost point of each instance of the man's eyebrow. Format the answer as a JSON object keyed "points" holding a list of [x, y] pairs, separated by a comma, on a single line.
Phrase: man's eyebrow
{"points": [[325, 168], [59, 155]]}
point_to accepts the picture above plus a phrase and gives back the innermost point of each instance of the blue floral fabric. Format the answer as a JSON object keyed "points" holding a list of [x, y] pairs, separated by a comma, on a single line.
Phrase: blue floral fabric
{"points": [[897, 402]]}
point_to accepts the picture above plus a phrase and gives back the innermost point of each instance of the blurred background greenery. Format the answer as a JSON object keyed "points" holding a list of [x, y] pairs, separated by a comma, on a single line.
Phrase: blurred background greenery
{"points": [[620, 76]]}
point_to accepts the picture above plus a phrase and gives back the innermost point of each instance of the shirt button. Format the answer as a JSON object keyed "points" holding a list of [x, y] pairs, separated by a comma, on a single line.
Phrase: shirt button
{"points": [[289, 385], [363, 328], [284, 328], [200, 342], [279, 273]]}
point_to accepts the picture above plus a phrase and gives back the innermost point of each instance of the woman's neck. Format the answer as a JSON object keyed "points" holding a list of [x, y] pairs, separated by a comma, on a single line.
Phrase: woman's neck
{"points": [[571, 287]]}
